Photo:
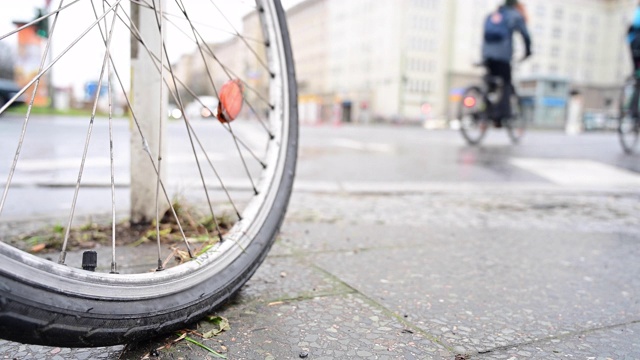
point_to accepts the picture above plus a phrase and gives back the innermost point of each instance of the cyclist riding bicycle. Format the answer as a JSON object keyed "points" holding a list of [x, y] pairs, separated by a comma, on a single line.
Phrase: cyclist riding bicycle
{"points": [[497, 50]]}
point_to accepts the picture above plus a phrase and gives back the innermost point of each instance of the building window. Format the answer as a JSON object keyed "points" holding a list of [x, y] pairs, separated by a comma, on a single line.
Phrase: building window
{"points": [[537, 48], [538, 30], [558, 13], [576, 18], [535, 69], [590, 57], [574, 36]]}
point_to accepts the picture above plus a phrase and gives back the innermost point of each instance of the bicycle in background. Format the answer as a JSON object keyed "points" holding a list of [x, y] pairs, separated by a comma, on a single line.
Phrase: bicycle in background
{"points": [[476, 111]]}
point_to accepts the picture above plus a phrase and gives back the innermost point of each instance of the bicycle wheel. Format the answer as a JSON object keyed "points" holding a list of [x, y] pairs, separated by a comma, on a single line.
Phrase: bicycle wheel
{"points": [[44, 302], [628, 126], [472, 114], [517, 123]]}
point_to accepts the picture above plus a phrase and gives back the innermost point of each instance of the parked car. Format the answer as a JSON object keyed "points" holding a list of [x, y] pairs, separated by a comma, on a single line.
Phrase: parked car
{"points": [[8, 89], [195, 109], [174, 112]]}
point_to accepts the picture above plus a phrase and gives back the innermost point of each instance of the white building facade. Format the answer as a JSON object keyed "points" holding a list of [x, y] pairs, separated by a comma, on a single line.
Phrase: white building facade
{"points": [[405, 60]]}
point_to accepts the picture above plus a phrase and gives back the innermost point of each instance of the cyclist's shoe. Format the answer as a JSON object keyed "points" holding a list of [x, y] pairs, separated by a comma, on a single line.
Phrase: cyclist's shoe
{"points": [[497, 123]]}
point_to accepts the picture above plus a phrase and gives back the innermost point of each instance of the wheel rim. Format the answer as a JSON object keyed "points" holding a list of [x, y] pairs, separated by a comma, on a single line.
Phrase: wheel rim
{"points": [[628, 133], [472, 115], [277, 152], [627, 126]]}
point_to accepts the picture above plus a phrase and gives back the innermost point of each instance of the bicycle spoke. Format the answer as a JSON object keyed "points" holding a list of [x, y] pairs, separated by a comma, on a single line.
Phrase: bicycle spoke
{"points": [[240, 141], [145, 145], [135, 33], [160, 132], [227, 125], [114, 264], [38, 20], [147, 149], [232, 75], [191, 128], [193, 93], [242, 38], [162, 64], [105, 64], [216, 92], [48, 67], [191, 140], [28, 114]]}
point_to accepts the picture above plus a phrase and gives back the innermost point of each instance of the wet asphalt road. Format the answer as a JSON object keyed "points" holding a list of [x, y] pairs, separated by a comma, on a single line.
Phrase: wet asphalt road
{"points": [[405, 244]]}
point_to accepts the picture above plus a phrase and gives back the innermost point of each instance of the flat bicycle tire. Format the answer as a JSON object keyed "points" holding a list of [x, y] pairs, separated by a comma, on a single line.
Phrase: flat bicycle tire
{"points": [[45, 303]]}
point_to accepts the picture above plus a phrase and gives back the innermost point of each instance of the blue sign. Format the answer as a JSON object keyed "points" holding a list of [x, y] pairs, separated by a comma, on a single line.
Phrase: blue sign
{"points": [[554, 102], [91, 88]]}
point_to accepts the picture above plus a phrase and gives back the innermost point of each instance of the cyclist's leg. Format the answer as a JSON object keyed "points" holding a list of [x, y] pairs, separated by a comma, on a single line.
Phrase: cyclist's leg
{"points": [[493, 70], [502, 70], [504, 107]]}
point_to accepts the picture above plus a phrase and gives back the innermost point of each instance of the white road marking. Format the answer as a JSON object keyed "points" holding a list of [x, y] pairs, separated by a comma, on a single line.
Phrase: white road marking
{"points": [[100, 162], [572, 172], [362, 146]]}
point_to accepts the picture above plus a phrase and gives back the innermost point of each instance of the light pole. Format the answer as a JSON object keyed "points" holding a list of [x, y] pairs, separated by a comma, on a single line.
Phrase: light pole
{"points": [[150, 99]]}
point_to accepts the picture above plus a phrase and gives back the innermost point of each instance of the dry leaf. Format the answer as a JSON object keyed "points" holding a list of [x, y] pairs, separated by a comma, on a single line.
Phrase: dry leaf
{"points": [[38, 248]]}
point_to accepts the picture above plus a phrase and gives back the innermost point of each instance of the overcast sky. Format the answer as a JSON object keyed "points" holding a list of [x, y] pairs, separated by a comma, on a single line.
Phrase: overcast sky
{"points": [[75, 19]]}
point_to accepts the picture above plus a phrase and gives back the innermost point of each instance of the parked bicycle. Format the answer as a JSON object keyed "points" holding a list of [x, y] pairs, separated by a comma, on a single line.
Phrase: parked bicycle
{"points": [[57, 304], [476, 111], [629, 120]]}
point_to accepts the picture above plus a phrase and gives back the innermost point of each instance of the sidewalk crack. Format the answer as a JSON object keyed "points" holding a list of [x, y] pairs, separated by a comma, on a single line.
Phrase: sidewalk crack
{"points": [[411, 327], [558, 337]]}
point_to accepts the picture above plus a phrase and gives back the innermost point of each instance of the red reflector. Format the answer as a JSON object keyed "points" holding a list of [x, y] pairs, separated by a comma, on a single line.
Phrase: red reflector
{"points": [[469, 101], [231, 100]]}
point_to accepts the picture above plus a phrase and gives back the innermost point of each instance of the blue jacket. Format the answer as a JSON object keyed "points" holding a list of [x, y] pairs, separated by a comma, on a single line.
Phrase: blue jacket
{"points": [[503, 50], [635, 25]]}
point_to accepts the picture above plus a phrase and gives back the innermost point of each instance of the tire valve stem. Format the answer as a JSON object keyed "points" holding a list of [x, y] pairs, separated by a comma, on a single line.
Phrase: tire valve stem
{"points": [[89, 260], [114, 268]]}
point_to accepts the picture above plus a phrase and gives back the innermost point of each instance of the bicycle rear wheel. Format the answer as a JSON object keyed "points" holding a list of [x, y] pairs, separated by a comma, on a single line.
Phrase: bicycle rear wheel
{"points": [[472, 114], [517, 123], [628, 125], [44, 302]]}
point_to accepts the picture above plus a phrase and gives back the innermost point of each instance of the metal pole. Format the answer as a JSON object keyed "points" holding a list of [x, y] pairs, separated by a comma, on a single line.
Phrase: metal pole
{"points": [[150, 106]]}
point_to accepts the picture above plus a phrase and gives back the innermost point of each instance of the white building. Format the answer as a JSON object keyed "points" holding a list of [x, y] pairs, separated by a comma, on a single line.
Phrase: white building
{"points": [[404, 59], [311, 52]]}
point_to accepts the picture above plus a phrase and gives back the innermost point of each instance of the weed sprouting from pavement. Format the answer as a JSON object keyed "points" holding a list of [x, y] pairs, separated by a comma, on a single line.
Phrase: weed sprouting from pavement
{"points": [[199, 228]]}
